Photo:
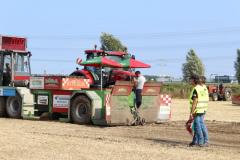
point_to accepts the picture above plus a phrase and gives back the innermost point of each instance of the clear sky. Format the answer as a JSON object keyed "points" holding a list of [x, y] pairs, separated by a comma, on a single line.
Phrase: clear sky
{"points": [[158, 32]]}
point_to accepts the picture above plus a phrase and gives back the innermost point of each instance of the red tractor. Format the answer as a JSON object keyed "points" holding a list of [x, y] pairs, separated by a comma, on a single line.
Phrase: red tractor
{"points": [[14, 75], [110, 75], [219, 92]]}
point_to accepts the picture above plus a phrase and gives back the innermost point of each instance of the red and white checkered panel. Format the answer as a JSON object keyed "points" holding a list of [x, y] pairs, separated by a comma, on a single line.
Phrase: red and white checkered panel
{"points": [[87, 82], [108, 107], [67, 83], [164, 113], [166, 99]]}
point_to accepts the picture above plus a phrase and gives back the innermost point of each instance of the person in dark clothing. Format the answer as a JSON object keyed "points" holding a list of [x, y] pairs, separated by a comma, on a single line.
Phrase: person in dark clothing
{"points": [[7, 75]]}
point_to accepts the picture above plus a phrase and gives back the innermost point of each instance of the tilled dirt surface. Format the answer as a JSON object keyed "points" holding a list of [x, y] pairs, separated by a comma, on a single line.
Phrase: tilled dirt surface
{"points": [[25, 140]]}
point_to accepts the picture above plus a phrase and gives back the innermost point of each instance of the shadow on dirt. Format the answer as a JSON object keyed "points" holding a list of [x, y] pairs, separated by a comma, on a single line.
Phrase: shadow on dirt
{"points": [[185, 144], [168, 142]]}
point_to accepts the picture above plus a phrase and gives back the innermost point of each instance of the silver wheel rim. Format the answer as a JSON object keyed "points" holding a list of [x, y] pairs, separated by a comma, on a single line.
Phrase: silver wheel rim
{"points": [[14, 106], [81, 110], [228, 94]]}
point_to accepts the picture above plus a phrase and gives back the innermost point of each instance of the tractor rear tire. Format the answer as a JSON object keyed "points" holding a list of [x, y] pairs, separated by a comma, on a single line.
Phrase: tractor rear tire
{"points": [[81, 110], [227, 94], [2, 107], [215, 97], [14, 106]]}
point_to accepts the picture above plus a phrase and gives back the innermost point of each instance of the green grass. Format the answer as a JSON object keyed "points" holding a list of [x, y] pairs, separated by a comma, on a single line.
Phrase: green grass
{"points": [[182, 90], [235, 89], [176, 90]]}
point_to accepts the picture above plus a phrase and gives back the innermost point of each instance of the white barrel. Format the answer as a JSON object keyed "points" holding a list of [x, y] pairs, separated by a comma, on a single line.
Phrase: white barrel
{"points": [[164, 113]]}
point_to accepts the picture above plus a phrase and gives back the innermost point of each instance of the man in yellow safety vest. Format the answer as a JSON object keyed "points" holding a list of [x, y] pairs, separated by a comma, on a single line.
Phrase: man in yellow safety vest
{"points": [[202, 81], [198, 106]]}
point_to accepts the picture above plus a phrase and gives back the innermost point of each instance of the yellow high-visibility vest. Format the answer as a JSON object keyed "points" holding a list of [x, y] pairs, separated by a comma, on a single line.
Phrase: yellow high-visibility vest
{"points": [[207, 95], [203, 98]]}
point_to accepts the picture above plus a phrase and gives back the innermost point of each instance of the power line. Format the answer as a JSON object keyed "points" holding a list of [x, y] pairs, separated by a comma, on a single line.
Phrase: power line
{"points": [[218, 44], [56, 48], [190, 45], [176, 60], [209, 31], [54, 60], [165, 60]]}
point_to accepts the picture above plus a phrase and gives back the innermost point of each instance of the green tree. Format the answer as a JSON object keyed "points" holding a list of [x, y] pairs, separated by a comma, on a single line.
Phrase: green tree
{"points": [[192, 66], [110, 43], [237, 65]]}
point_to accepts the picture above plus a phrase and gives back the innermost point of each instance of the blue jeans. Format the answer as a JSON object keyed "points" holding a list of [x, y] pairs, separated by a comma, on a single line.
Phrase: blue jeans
{"points": [[204, 130], [200, 130]]}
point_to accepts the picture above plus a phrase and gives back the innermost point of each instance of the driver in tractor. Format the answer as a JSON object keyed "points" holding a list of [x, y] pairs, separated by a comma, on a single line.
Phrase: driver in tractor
{"points": [[7, 75]]}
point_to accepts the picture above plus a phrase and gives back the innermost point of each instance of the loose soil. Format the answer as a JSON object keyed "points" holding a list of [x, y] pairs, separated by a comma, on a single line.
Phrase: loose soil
{"points": [[41, 140]]}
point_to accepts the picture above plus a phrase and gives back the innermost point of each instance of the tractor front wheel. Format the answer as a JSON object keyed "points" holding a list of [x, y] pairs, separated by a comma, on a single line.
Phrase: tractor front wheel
{"points": [[214, 96], [81, 110], [14, 106]]}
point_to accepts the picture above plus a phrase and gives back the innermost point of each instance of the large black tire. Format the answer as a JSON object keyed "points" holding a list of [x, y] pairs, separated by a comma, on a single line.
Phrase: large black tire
{"points": [[81, 110], [2, 107], [214, 96], [228, 94], [14, 106]]}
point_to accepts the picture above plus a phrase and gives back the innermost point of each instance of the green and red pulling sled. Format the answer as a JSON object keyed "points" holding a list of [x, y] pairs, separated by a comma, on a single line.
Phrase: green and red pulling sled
{"points": [[71, 99]]}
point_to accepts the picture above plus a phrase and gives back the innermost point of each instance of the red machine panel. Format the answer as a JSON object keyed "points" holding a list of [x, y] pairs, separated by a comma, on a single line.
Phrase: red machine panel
{"points": [[151, 89], [236, 99], [13, 43], [74, 83], [122, 88], [52, 82], [58, 83]]}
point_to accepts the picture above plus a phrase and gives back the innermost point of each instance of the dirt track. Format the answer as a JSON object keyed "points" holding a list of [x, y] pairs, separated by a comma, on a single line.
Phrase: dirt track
{"points": [[22, 139]]}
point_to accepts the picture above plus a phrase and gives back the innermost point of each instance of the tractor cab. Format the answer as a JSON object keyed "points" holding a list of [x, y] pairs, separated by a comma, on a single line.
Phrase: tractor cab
{"points": [[110, 75], [14, 61]]}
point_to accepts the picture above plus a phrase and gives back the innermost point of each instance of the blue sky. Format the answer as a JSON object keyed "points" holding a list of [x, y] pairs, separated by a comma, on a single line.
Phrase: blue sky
{"points": [[158, 32]]}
